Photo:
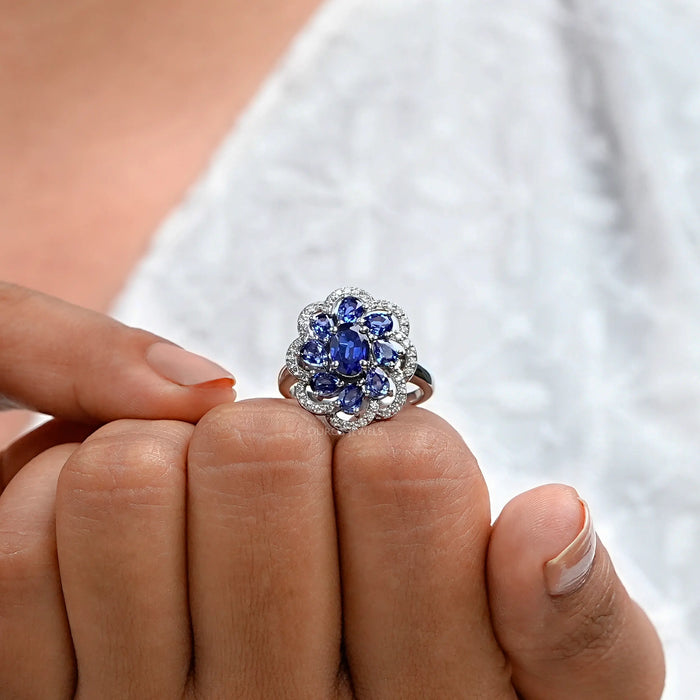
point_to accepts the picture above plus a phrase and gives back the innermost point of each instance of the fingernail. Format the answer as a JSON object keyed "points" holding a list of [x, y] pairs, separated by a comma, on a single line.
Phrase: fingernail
{"points": [[183, 367], [218, 384], [569, 569]]}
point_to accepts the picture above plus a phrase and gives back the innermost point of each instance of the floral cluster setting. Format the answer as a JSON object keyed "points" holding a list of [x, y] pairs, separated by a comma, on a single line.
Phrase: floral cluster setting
{"points": [[352, 359]]}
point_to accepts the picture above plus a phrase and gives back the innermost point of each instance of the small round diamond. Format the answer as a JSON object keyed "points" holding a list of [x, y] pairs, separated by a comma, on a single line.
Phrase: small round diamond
{"points": [[313, 354], [350, 398], [379, 324], [349, 310], [324, 384], [384, 353], [321, 326], [377, 383]]}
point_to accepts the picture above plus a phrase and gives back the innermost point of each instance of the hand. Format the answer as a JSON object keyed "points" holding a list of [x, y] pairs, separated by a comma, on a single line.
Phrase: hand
{"points": [[253, 556], [86, 368]]}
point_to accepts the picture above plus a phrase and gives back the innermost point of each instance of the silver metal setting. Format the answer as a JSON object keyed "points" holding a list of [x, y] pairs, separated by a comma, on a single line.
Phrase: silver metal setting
{"points": [[295, 379]]}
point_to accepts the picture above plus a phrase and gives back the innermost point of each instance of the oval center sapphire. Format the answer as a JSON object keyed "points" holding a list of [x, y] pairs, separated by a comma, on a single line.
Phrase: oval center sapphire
{"points": [[348, 348]]}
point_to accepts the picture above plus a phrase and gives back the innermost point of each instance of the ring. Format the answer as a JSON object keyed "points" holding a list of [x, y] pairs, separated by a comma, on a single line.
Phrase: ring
{"points": [[353, 361]]}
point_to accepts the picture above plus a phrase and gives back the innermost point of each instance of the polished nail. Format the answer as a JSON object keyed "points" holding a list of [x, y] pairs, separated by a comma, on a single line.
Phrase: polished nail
{"points": [[569, 569], [183, 367], [217, 385]]}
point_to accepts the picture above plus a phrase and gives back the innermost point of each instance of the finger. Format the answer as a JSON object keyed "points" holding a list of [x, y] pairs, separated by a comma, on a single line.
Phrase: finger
{"points": [[560, 612], [66, 361], [413, 526], [120, 526], [12, 424], [37, 654], [262, 550], [54, 432]]}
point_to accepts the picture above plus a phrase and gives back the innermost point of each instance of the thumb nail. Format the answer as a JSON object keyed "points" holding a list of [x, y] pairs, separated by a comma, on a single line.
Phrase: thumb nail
{"points": [[183, 367], [569, 569]]}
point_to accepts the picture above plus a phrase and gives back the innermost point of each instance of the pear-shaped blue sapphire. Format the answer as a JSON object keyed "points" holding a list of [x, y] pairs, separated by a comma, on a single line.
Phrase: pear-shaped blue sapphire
{"points": [[324, 384], [377, 383], [384, 353], [350, 398], [313, 354], [321, 326], [349, 310], [348, 347], [379, 323]]}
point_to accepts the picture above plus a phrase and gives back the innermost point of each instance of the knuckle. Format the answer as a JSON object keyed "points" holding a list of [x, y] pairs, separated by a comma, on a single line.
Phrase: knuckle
{"points": [[18, 558], [420, 481], [412, 462], [264, 449], [27, 534], [594, 626], [25, 556], [125, 464], [275, 433]]}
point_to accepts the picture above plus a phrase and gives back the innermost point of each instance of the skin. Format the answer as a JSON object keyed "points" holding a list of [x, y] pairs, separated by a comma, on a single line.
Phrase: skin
{"points": [[116, 107], [254, 555], [95, 151], [163, 542]]}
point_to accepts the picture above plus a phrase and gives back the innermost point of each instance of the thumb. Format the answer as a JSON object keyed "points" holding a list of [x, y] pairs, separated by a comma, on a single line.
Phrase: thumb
{"points": [[559, 610], [73, 363]]}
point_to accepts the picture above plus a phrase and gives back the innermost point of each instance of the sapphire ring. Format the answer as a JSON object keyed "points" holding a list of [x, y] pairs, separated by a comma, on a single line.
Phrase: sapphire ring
{"points": [[353, 362]]}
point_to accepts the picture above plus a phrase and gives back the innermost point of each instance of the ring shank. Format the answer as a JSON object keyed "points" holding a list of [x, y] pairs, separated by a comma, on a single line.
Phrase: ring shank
{"points": [[421, 380]]}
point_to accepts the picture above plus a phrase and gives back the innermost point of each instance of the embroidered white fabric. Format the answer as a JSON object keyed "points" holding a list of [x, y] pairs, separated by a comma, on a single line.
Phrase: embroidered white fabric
{"points": [[523, 179]]}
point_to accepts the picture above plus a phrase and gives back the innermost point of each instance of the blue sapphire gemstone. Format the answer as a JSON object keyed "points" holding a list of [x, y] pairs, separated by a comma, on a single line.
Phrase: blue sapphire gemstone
{"points": [[321, 326], [350, 398], [324, 384], [348, 347], [379, 323], [349, 310], [313, 354], [377, 383], [384, 353]]}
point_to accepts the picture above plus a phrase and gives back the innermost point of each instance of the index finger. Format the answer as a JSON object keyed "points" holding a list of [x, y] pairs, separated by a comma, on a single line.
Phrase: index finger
{"points": [[69, 362]]}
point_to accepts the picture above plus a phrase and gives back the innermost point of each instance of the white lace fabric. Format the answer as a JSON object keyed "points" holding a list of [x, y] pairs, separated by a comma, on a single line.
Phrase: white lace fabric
{"points": [[523, 179]]}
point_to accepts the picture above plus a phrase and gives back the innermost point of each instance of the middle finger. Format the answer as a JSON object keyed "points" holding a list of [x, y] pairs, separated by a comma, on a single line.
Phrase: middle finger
{"points": [[262, 554]]}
